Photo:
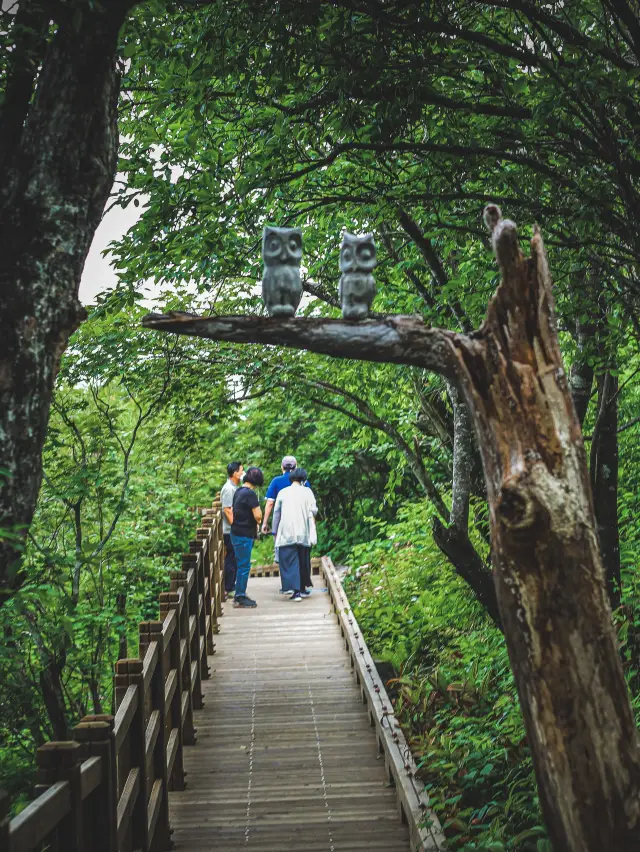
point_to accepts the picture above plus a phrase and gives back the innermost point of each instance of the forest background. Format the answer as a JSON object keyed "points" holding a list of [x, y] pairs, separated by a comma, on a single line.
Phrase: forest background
{"points": [[377, 119]]}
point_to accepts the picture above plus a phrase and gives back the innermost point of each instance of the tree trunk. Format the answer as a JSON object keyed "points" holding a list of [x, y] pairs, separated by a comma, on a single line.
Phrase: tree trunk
{"points": [[53, 696], [454, 540], [55, 184], [604, 482], [547, 568], [548, 571], [121, 609]]}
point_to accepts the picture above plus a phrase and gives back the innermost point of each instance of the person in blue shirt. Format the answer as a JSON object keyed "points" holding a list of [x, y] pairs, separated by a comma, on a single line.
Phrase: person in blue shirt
{"points": [[276, 485]]}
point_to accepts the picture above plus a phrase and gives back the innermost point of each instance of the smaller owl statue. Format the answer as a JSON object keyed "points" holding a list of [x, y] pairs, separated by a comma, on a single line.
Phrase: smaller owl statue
{"points": [[281, 285], [357, 284]]}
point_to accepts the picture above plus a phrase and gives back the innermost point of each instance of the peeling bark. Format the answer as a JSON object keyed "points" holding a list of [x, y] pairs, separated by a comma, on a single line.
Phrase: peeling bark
{"points": [[55, 184], [548, 571]]}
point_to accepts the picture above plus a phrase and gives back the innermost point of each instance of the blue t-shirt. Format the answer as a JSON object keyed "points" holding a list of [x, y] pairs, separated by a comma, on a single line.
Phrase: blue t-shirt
{"points": [[277, 484]]}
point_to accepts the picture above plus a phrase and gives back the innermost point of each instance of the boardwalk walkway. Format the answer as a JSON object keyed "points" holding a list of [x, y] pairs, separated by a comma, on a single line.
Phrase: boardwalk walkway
{"points": [[286, 760]]}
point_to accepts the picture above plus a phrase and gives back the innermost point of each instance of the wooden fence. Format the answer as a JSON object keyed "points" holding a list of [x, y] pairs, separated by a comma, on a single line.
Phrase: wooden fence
{"points": [[107, 789], [413, 802]]}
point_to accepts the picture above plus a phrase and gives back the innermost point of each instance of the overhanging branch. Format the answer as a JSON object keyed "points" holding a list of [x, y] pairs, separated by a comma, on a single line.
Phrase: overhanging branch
{"points": [[395, 339]]}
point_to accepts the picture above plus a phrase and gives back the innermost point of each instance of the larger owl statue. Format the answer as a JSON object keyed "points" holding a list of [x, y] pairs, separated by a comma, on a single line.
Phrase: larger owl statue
{"points": [[357, 285], [281, 285]]}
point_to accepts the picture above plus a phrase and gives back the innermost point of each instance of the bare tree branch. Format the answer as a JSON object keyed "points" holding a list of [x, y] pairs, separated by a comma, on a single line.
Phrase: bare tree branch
{"points": [[396, 339]]}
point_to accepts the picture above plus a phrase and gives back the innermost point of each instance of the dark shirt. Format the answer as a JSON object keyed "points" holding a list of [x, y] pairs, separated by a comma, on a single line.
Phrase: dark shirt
{"points": [[244, 524]]}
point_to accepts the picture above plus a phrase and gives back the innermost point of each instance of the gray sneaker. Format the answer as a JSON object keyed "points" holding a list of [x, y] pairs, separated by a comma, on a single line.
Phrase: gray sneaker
{"points": [[244, 603]]}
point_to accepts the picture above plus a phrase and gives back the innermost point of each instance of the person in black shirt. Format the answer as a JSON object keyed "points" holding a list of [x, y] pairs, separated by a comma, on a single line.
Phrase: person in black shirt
{"points": [[246, 515]]}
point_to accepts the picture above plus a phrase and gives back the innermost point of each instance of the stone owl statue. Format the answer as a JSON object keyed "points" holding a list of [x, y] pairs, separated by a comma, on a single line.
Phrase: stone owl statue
{"points": [[281, 285], [357, 284]]}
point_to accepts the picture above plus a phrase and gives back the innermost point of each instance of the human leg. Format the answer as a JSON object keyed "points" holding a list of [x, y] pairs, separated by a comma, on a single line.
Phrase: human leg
{"points": [[242, 547], [304, 555], [290, 568], [230, 564]]}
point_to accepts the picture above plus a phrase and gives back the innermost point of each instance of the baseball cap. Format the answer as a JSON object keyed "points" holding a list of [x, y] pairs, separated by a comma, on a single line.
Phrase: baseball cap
{"points": [[289, 462]]}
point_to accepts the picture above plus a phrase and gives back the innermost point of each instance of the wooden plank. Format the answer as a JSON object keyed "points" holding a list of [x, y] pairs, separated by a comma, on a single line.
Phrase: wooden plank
{"points": [[40, 817], [153, 808], [149, 665], [124, 715], [153, 729], [286, 759], [169, 688], [172, 750], [90, 776], [127, 802]]}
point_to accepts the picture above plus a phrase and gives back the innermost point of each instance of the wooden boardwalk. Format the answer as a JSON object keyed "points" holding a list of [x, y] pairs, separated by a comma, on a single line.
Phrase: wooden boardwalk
{"points": [[286, 760]]}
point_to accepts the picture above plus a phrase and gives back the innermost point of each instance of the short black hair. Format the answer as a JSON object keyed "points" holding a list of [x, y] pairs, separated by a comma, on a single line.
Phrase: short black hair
{"points": [[298, 475], [254, 476], [289, 467], [233, 467]]}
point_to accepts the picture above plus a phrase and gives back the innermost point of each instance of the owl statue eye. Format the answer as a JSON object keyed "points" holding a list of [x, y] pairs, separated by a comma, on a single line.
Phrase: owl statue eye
{"points": [[365, 253], [347, 254], [274, 244], [294, 244]]}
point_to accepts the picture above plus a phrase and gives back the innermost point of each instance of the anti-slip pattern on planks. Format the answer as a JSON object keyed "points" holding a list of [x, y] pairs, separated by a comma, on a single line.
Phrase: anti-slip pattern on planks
{"points": [[286, 759]]}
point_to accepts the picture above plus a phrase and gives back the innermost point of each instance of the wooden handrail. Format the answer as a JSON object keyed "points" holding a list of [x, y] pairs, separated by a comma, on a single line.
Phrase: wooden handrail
{"points": [[413, 802], [107, 790]]}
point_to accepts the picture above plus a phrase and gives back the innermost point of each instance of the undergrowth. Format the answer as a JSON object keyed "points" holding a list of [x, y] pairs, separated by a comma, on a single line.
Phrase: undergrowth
{"points": [[454, 694]]}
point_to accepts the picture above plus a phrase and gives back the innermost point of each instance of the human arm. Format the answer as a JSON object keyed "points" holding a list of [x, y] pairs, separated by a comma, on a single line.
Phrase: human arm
{"points": [[267, 514], [226, 500]]}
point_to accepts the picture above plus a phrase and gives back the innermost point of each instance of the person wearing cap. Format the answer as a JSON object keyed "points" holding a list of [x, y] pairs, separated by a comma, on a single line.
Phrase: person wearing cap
{"points": [[289, 464], [276, 485]]}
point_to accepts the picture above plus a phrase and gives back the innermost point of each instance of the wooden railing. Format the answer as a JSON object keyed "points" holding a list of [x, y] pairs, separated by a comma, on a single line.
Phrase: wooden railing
{"points": [[413, 802], [107, 789]]}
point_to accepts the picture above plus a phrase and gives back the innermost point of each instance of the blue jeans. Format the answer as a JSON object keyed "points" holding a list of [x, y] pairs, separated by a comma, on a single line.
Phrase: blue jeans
{"points": [[242, 547]]}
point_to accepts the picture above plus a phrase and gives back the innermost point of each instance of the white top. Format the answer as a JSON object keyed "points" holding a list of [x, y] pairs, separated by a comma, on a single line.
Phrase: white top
{"points": [[292, 515], [226, 498]]}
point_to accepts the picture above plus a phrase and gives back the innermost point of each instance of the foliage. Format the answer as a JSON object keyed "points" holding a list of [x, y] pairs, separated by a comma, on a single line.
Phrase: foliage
{"points": [[454, 693]]}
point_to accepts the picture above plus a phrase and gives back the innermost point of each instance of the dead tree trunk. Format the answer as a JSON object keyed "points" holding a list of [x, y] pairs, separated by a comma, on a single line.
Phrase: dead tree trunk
{"points": [[548, 571], [58, 169], [547, 567]]}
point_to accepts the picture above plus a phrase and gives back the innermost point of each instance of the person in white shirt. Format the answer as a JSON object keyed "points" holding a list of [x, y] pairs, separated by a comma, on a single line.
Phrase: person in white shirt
{"points": [[294, 528]]}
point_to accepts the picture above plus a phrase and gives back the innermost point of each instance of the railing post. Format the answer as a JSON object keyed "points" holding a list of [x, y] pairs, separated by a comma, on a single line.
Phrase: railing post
{"points": [[96, 736], [60, 761], [208, 588], [132, 754], [150, 632], [170, 602], [218, 560], [197, 550], [215, 591], [179, 585], [190, 565]]}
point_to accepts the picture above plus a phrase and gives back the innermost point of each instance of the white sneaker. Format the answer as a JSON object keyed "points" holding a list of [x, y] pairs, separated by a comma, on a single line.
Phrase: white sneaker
{"points": [[288, 592], [296, 596]]}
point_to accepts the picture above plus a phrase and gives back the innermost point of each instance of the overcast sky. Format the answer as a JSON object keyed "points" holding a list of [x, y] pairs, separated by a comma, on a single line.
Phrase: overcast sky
{"points": [[98, 273]]}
